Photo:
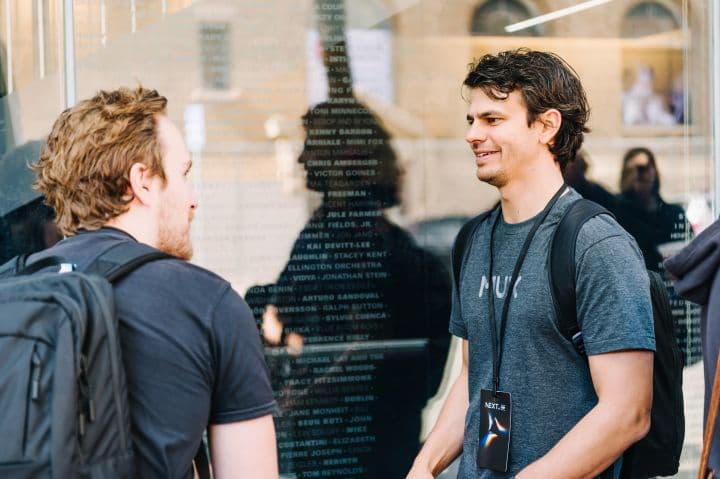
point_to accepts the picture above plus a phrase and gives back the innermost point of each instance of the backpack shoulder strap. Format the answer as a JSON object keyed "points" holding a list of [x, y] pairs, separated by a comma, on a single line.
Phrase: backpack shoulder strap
{"points": [[461, 242], [18, 266], [562, 267], [123, 258]]}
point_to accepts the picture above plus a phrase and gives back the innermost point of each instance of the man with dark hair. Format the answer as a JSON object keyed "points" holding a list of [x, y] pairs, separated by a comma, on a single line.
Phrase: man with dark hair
{"points": [[526, 403], [116, 170]]}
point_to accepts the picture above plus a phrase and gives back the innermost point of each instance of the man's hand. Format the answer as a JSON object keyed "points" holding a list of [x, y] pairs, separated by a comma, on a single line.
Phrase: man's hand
{"points": [[294, 342], [445, 441], [272, 331], [272, 327]]}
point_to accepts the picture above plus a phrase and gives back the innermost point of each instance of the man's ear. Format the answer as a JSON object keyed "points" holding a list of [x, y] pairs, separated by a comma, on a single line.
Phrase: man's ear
{"points": [[550, 121], [141, 183]]}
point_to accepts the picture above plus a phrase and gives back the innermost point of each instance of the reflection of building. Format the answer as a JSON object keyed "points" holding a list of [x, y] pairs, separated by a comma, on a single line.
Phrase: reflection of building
{"points": [[234, 60]]}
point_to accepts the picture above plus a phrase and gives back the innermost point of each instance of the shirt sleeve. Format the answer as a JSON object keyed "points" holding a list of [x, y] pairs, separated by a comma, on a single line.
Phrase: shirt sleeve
{"points": [[242, 386], [612, 290]]}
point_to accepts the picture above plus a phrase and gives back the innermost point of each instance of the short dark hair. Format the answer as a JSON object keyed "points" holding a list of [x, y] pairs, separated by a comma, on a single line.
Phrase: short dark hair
{"points": [[545, 81]]}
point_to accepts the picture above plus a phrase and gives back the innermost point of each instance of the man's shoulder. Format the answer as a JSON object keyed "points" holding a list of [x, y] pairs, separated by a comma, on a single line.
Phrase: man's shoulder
{"points": [[602, 241], [84, 248], [602, 232], [600, 228], [184, 278]]}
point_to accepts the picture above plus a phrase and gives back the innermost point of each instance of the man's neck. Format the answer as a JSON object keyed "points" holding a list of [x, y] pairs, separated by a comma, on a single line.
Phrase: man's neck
{"points": [[140, 230], [521, 200]]}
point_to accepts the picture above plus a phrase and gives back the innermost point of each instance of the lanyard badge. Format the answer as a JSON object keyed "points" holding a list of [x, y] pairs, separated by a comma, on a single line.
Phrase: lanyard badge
{"points": [[495, 405], [495, 427]]}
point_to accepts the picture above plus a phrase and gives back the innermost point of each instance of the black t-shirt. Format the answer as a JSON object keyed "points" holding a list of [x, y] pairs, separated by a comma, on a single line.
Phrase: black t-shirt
{"points": [[650, 230], [191, 351]]}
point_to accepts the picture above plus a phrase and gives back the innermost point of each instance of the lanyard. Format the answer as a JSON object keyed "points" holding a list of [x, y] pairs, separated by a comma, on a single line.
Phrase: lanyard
{"points": [[497, 342]]}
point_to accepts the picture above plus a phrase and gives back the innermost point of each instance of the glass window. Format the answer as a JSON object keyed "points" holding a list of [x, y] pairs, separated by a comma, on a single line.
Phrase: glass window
{"points": [[332, 173]]}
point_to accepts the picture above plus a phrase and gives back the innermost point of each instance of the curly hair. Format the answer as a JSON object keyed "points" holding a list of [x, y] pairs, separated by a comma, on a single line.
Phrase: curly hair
{"points": [[545, 81], [84, 165]]}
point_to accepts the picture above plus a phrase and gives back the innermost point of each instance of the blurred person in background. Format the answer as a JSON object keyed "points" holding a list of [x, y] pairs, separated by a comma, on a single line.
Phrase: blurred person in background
{"points": [[575, 175], [641, 210]]}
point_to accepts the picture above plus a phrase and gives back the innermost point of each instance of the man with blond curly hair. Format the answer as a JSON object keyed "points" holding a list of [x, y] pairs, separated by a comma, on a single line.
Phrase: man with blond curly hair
{"points": [[115, 169]]}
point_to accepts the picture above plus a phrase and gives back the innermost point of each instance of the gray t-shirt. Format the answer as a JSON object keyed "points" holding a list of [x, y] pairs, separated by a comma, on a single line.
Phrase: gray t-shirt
{"points": [[549, 381]]}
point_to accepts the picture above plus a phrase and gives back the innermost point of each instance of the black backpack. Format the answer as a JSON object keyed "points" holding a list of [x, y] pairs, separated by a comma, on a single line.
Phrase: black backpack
{"points": [[64, 402], [658, 453]]}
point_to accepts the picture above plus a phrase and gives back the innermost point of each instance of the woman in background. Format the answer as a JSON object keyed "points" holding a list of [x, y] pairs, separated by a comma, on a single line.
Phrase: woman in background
{"points": [[641, 210]]}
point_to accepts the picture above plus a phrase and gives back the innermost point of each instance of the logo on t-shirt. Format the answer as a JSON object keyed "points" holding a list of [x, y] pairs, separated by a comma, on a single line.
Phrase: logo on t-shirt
{"points": [[500, 285]]}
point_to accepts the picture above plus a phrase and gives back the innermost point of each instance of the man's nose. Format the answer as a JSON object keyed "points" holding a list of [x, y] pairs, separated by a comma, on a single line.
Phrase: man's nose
{"points": [[474, 134]]}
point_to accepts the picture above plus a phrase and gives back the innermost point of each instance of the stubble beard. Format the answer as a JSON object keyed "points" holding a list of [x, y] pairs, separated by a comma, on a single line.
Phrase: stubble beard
{"points": [[498, 178], [175, 244]]}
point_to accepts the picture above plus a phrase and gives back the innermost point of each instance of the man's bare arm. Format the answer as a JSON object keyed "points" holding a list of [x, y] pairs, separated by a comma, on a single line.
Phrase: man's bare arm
{"points": [[244, 449], [623, 383], [445, 441]]}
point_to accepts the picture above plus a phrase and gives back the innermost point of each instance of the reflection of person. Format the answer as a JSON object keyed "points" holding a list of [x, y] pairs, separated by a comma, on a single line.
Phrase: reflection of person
{"points": [[354, 279], [571, 416], [27, 230], [697, 269], [115, 170], [28, 224], [641, 210], [575, 176]]}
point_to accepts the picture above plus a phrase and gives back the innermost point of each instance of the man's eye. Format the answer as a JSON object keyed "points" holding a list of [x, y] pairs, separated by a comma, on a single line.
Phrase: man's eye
{"points": [[492, 120], [469, 120]]}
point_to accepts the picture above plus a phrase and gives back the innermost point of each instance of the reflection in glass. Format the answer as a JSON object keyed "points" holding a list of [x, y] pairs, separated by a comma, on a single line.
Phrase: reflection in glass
{"points": [[648, 18], [642, 211], [26, 222], [492, 16], [406, 60], [362, 308]]}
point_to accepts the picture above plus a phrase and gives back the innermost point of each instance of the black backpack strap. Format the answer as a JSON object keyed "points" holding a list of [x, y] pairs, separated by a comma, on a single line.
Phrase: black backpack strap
{"points": [[562, 267], [21, 267], [461, 242], [123, 258]]}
